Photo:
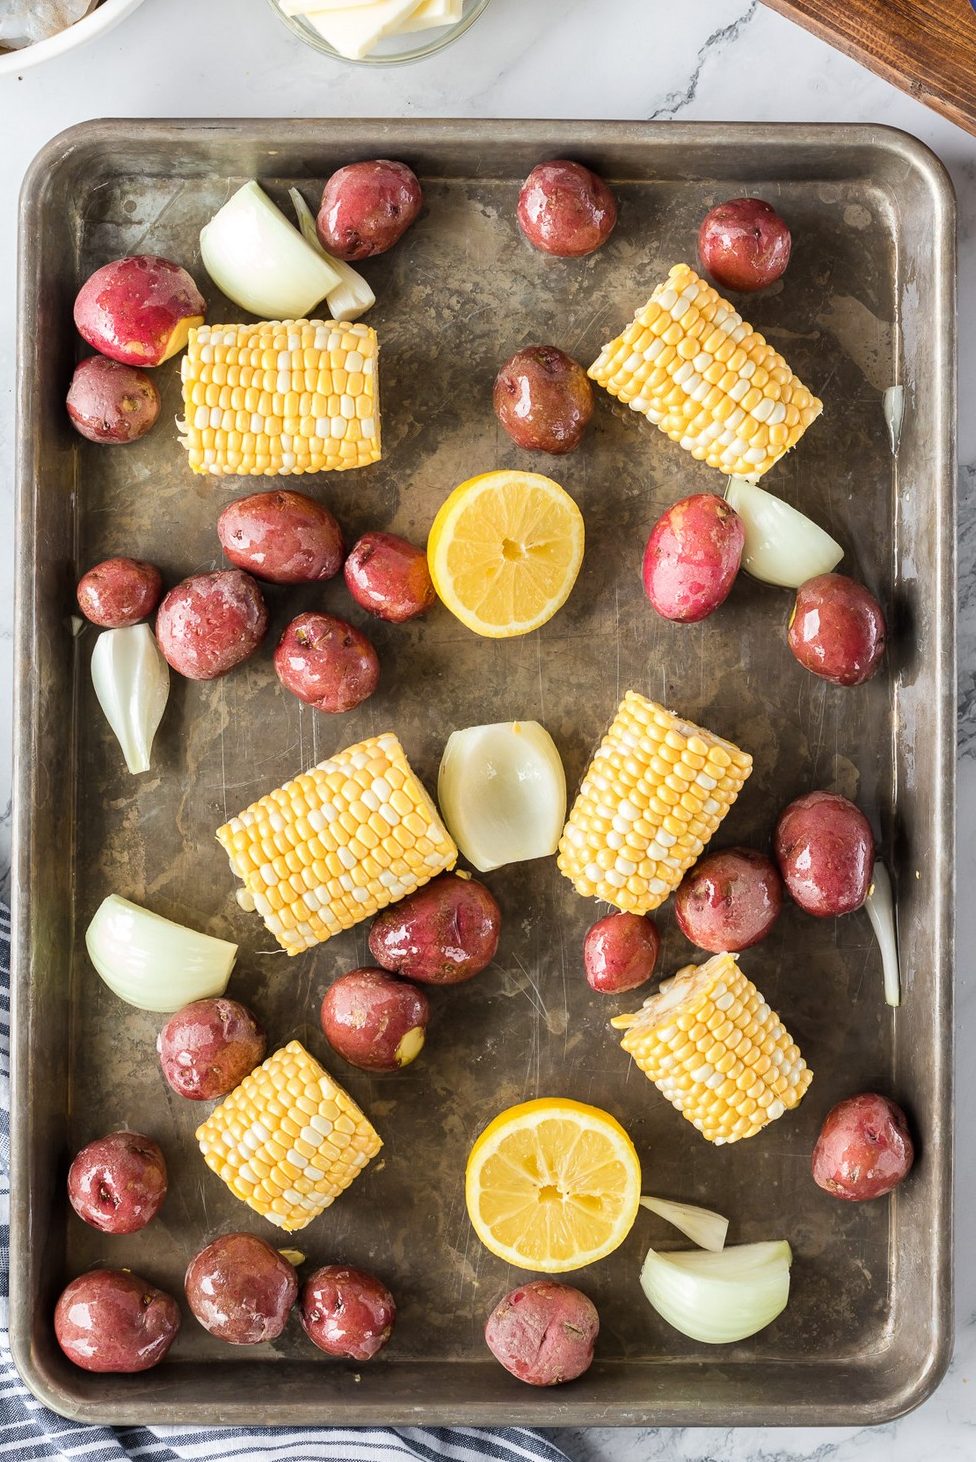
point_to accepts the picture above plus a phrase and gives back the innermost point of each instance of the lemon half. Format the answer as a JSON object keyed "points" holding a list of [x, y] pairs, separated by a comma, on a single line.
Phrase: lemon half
{"points": [[552, 1185], [504, 552]]}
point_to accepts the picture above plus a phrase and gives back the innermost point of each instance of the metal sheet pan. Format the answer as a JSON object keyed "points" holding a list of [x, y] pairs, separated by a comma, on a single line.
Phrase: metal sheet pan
{"points": [[869, 299]]}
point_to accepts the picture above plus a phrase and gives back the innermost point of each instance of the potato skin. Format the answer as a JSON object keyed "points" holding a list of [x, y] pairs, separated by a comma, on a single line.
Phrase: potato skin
{"points": [[443, 934], [111, 403], [729, 900], [692, 557], [837, 629], [208, 1047], [327, 663], [389, 577], [864, 1149], [374, 1021], [111, 1320], [119, 592], [543, 399], [565, 209], [543, 1332], [283, 537], [117, 1183], [744, 244], [347, 1312], [211, 622], [241, 1289], [620, 952], [825, 851], [367, 207], [134, 309]]}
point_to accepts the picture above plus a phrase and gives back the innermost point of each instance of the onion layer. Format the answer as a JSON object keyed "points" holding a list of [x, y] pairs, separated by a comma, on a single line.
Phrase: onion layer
{"points": [[782, 546], [131, 681], [719, 1298], [700, 1225], [502, 791], [880, 906], [152, 963], [259, 259]]}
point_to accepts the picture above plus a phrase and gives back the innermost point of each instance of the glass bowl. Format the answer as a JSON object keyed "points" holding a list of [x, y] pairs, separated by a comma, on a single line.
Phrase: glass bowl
{"points": [[393, 50]]}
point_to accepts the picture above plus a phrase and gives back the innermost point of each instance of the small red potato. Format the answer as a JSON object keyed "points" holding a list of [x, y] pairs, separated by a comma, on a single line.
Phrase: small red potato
{"points": [[825, 850], [211, 622], [692, 558], [443, 934], [347, 1312], [208, 1047], [241, 1289], [327, 663], [729, 900], [111, 403], [111, 1320], [367, 207], [744, 244], [119, 592], [389, 577], [117, 1184], [543, 399], [283, 537], [837, 629], [138, 310], [620, 952], [864, 1149], [543, 1332], [374, 1021], [566, 210]]}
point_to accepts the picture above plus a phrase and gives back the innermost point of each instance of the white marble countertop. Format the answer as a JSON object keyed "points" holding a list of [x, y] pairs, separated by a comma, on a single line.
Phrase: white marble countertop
{"points": [[701, 59]]}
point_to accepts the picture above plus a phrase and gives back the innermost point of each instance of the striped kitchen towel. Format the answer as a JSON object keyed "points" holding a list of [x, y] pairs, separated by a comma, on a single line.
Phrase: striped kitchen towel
{"points": [[29, 1431]]}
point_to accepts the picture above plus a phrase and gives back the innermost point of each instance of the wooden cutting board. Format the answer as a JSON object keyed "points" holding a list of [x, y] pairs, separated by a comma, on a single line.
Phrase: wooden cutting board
{"points": [[927, 47]]}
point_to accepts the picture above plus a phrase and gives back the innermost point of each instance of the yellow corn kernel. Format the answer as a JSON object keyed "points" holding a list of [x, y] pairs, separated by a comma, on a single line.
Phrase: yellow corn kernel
{"points": [[628, 786], [273, 423], [708, 1023], [288, 1140], [717, 388], [304, 897]]}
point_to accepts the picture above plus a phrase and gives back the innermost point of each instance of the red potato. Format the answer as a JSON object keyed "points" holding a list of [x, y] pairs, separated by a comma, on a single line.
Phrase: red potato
{"points": [[111, 403], [744, 244], [692, 558], [111, 1320], [373, 1021], [211, 622], [443, 934], [565, 209], [543, 1332], [283, 537], [367, 207], [837, 629], [729, 900], [117, 1184], [347, 1312], [620, 952], [543, 399], [138, 310], [119, 592], [864, 1149], [208, 1047], [389, 577], [327, 663], [241, 1289], [825, 850]]}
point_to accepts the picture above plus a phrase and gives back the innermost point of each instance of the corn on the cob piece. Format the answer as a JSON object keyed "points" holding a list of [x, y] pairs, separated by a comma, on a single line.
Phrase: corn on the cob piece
{"points": [[288, 1140], [280, 398], [714, 1048], [338, 843], [652, 796], [695, 369]]}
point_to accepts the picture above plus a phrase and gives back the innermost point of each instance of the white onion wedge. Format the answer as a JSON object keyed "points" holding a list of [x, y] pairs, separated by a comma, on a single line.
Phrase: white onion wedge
{"points": [[259, 259], [131, 681], [352, 296], [880, 906], [719, 1298], [782, 546], [700, 1225], [152, 963], [502, 792]]}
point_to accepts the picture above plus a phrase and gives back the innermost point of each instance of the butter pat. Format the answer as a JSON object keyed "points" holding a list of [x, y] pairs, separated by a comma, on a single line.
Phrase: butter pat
{"points": [[357, 30], [431, 13]]}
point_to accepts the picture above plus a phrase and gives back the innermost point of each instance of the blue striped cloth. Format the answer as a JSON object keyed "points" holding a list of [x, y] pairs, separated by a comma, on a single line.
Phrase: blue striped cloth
{"points": [[29, 1431]]}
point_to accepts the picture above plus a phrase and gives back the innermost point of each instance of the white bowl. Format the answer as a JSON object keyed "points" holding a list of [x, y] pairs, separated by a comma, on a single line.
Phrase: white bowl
{"points": [[109, 13]]}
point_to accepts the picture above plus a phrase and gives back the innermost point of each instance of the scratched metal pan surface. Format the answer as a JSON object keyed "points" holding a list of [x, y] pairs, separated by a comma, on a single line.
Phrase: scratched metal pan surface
{"points": [[868, 300]]}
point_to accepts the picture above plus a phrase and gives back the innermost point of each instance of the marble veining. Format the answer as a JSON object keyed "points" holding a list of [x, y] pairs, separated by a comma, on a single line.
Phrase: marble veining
{"points": [[703, 59]]}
